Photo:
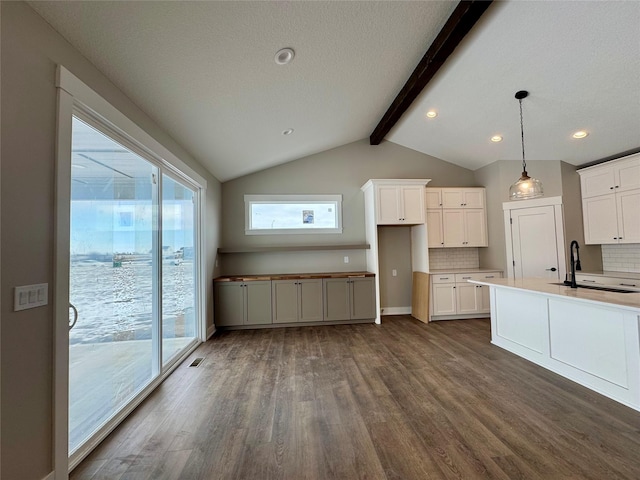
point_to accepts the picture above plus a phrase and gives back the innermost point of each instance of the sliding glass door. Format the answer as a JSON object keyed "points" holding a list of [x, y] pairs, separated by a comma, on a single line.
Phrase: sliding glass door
{"points": [[178, 268], [133, 271]]}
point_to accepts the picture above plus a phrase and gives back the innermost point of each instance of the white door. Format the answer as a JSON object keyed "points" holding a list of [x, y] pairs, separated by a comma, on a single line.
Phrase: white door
{"points": [[535, 243], [413, 203]]}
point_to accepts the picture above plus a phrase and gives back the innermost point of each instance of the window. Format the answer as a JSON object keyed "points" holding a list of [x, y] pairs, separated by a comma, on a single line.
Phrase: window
{"points": [[292, 214]]}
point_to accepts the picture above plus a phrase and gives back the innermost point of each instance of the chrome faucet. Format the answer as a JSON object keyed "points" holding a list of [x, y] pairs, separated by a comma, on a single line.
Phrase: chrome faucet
{"points": [[575, 262]]}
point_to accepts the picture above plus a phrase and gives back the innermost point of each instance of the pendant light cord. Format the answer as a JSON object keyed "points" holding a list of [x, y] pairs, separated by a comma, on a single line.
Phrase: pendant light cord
{"points": [[524, 163]]}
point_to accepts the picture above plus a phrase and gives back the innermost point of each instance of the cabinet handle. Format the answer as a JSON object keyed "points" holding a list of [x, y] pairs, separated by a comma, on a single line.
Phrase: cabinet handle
{"points": [[628, 284], [610, 188], [615, 238], [489, 276], [444, 278], [466, 278], [617, 186], [585, 280], [619, 238]]}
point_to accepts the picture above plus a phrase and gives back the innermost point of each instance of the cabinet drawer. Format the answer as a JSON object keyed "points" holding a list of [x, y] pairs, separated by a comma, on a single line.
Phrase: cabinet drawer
{"points": [[443, 278], [463, 277]]}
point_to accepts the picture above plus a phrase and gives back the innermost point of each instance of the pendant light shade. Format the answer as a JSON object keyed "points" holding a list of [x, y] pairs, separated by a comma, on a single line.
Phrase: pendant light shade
{"points": [[526, 187]]}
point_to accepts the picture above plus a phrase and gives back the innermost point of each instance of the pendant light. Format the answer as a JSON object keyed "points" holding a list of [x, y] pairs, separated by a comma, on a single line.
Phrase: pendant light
{"points": [[526, 187]]}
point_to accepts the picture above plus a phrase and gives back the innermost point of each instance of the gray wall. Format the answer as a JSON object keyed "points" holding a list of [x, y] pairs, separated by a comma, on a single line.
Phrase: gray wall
{"points": [[558, 179], [30, 51], [590, 255], [342, 170], [394, 252]]}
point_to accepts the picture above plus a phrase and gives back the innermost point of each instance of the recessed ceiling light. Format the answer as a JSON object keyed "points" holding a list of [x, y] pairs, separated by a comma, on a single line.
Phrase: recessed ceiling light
{"points": [[284, 56], [580, 134], [496, 138], [288, 131], [432, 114]]}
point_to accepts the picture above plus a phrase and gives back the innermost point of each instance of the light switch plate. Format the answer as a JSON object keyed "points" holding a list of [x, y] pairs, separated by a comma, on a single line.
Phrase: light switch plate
{"points": [[30, 296]]}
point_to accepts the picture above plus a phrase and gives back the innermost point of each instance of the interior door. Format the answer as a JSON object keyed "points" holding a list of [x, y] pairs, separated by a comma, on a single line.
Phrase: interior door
{"points": [[534, 241]]}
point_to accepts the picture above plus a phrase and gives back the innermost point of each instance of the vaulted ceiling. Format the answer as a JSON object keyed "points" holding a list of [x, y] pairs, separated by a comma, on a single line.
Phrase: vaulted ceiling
{"points": [[205, 72]]}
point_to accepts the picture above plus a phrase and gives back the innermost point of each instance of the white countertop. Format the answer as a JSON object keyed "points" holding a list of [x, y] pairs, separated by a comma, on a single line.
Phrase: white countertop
{"points": [[626, 300], [608, 273], [464, 270]]}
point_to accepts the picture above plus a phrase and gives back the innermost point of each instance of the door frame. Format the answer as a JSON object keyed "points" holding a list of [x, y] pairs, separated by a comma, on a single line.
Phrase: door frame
{"points": [[74, 95], [556, 203]]}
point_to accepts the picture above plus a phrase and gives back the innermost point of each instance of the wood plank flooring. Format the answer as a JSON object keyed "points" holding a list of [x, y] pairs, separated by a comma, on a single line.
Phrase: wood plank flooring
{"points": [[401, 400]]}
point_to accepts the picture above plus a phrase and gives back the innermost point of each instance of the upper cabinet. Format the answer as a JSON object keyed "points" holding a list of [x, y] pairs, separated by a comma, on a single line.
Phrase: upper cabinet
{"points": [[610, 199], [462, 197], [399, 202], [611, 177], [456, 217]]}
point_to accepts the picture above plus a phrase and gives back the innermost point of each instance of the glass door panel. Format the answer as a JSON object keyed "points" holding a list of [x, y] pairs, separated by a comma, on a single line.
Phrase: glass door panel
{"points": [[178, 268], [112, 270]]}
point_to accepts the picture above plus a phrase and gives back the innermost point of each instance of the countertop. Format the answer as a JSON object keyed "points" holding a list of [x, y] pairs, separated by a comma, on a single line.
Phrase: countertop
{"points": [[464, 270], [291, 276], [608, 273], [626, 300]]}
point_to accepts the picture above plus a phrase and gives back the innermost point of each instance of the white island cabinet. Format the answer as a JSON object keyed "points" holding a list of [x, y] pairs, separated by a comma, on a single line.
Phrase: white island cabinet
{"points": [[588, 336]]}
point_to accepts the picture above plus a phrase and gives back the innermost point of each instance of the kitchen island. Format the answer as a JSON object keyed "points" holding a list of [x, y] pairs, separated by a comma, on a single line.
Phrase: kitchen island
{"points": [[588, 336]]}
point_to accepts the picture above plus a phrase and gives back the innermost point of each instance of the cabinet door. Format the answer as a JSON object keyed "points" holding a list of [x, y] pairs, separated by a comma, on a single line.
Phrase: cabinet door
{"points": [[388, 204], [484, 302], [475, 222], [628, 174], [412, 201], [600, 222], [363, 298], [258, 302], [598, 181], [284, 301], [229, 300], [466, 298], [628, 204], [473, 198], [336, 299], [435, 238], [453, 228], [310, 300], [452, 198], [433, 197], [444, 298]]}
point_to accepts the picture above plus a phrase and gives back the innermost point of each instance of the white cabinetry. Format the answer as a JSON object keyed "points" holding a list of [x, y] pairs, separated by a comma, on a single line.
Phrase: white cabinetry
{"points": [[456, 217], [395, 202], [453, 297], [400, 204], [610, 201]]}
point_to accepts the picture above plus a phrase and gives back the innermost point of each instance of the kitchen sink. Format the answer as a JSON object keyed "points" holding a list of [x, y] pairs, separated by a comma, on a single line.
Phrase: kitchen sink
{"points": [[603, 289]]}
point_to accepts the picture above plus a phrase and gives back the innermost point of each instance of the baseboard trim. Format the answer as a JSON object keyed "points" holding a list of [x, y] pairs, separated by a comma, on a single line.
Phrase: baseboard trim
{"points": [[210, 331], [51, 476], [395, 311]]}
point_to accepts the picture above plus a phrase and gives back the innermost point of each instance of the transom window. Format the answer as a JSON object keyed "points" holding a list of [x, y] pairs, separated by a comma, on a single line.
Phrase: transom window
{"points": [[292, 214]]}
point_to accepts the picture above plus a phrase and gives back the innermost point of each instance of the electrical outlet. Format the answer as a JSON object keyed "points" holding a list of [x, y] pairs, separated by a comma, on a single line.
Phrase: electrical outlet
{"points": [[346, 259], [394, 272]]}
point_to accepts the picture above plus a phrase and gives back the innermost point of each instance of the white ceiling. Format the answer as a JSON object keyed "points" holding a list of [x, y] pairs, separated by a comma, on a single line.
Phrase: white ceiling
{"points": [[204, 71]]}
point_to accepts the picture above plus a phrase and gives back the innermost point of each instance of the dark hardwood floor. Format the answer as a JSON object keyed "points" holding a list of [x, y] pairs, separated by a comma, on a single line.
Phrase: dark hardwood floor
{"points": [[401, 400]]}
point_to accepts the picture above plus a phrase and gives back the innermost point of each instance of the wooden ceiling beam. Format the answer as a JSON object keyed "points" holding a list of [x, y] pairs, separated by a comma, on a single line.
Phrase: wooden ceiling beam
{"points": [[459, 24]]}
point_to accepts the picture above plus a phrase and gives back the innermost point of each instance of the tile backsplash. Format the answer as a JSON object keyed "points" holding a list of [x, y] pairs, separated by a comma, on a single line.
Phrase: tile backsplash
{"points": [[620, 258], [440, 258]]}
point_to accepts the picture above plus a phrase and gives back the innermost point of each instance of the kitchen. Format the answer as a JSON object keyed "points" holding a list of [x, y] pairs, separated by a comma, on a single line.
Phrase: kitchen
{"points": [[585, 80]]}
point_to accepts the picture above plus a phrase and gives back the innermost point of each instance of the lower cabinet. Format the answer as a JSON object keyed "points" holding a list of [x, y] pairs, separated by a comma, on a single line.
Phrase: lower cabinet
{"points": [[243, 303], [452, 295], [296, 300], [349, 299]]}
